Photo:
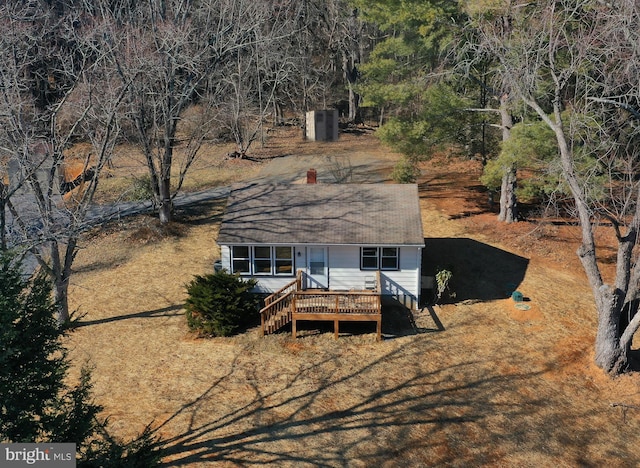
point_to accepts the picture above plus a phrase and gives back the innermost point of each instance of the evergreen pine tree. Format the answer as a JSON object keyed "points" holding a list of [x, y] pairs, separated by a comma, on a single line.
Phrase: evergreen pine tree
{"points": [[35, 403], [33, 362]]}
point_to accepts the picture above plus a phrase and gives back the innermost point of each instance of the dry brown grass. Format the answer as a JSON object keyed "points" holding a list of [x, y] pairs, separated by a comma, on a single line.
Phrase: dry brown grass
{"points": [[496, 387], [210, 169]]}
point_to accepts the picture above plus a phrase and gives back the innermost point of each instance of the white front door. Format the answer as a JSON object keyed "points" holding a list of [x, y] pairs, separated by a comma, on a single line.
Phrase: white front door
{"points": [[317, 268]]}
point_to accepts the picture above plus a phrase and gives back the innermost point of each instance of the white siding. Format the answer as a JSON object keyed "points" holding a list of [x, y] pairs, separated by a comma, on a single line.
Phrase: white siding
{"points": [[270, 284], [225, 257], [344, 268], [403, 281], [300, 252], [345, 272]]}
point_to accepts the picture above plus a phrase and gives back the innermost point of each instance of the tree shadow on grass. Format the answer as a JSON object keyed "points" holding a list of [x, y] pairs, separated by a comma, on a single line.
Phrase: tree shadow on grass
{"points": [[169, 311], [415, 414], [203, 212], [399, 320]]}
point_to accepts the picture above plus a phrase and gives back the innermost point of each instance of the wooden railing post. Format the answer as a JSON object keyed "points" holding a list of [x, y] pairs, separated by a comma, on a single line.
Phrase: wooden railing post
{"points": [[378, 302], [336, 322], [299, 278], [294, 331]]}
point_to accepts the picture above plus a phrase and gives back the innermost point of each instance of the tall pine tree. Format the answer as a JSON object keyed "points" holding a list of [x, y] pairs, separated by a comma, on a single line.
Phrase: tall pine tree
{"points": [[34, 403]]}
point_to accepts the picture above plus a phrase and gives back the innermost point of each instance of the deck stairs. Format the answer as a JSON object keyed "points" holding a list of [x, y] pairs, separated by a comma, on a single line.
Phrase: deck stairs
{"points": [[277, 310], [278, 316]]}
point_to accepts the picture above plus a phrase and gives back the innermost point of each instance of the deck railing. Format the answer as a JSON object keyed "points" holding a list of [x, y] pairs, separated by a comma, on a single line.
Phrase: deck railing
{"points": [[336, 302], [277, 307], [291, 303], [277, 314], [295, 285]]}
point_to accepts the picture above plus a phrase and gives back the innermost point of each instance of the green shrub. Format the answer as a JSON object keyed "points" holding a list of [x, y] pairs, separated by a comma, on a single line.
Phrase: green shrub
{"points": [[443, 282], [38, 403], [220, 303], [405, 171], [141, 189]]}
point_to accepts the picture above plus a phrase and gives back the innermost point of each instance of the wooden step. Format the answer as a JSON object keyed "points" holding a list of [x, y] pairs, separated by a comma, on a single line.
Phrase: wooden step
{"points": [[277, 321]]}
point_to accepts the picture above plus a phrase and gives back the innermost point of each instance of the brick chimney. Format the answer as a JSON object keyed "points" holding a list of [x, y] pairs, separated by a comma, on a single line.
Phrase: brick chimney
{"points": [[311, 176]]}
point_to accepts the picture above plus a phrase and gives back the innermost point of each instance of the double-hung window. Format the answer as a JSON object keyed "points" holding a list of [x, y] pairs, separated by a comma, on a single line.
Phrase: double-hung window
{"points": [[240, 259], [379, 258], [262, 260], [369, 258], [283, 260], [389, 258]]}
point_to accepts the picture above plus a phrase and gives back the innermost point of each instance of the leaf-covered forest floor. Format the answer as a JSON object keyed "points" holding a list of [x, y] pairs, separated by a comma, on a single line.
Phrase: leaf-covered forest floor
{"points": [[472, 382]]}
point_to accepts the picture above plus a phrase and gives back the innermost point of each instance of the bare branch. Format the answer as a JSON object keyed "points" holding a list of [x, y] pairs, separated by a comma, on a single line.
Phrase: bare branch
{"points": [[632, 110]]}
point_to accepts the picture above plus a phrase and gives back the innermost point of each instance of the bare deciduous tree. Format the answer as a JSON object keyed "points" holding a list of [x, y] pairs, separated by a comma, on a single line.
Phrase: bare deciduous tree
{"points": [[182, 54], [260, 69], [54, 91], [495, 98], [576, 64], [346, 36]]}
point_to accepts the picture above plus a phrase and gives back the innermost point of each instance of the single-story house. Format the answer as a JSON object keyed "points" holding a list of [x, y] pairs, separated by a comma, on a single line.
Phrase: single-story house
{"points": [[342, 236]]}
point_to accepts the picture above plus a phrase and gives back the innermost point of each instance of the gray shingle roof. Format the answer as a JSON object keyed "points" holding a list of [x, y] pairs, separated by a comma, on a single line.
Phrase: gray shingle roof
{"points": [[363, 214]]}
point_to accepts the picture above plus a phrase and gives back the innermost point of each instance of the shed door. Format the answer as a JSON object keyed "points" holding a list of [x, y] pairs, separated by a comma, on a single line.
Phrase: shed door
{"points": [[317, 268]]}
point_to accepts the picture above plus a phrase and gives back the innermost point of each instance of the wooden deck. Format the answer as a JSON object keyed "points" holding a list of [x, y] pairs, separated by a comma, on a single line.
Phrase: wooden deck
{"points": [[292, 304]]}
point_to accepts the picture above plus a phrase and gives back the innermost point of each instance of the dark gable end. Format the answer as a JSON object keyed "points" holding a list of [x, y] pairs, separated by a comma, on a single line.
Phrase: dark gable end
{"points": [[333, 214]]}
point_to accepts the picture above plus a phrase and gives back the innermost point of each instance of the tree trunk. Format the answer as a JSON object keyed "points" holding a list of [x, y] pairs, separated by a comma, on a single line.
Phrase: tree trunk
{"points": [[351, 75], [278, 118], [61, 297], [508, 199], [60, 273], [3, 221], [610, 355], [353, 104], [165, 204]]}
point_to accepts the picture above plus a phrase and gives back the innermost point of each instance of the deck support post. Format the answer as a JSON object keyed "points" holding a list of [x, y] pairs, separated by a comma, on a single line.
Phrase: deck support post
{"points": [[379, 305]]}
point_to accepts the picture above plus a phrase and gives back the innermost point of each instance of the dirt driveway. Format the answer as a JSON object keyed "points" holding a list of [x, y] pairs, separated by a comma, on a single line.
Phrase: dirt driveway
{"points": [[344, 162]]}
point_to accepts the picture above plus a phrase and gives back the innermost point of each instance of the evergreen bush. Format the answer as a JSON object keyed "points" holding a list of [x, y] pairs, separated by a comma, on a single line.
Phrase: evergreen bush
{"points": [[219, 304], [37, 402], [405, 171]]}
